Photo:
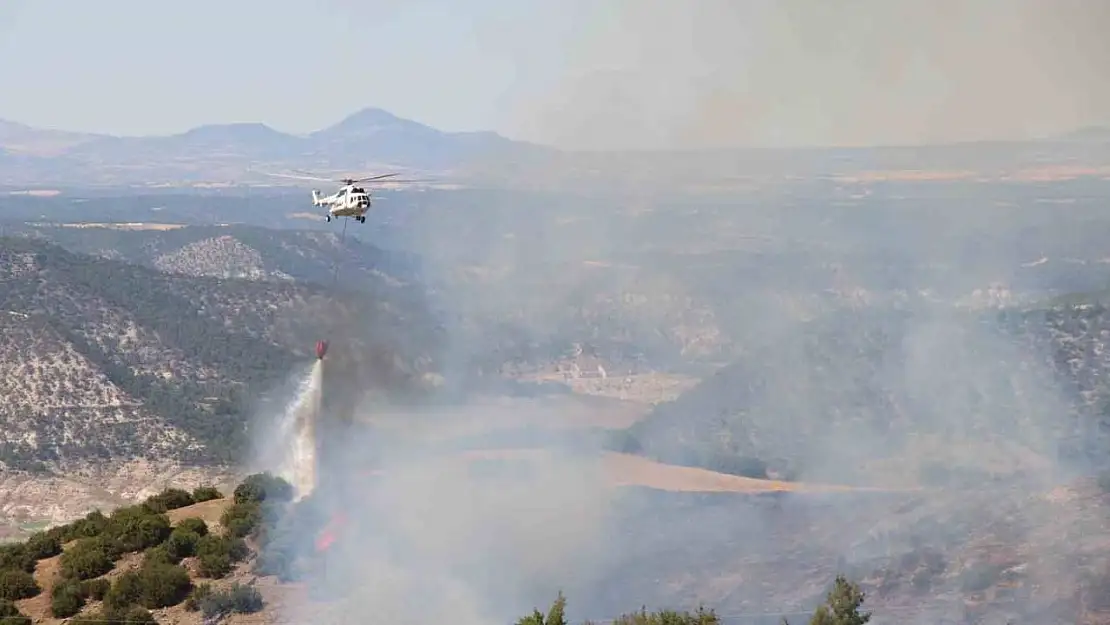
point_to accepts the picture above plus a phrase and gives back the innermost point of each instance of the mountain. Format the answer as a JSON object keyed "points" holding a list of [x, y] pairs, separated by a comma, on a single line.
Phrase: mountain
{"points": [[371, 138], [109, 361]]}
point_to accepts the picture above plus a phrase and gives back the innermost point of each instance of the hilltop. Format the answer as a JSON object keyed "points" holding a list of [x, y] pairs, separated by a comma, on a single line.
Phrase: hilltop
{"points": [[106, 360]]}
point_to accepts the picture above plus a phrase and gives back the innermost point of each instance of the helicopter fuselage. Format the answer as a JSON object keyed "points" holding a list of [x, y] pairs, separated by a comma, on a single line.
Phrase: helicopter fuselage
{"points": [[347, 202]]}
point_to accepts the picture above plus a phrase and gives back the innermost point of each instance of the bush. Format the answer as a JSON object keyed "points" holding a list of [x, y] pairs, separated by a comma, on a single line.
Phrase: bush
{"points": [[42, 545], [66, 599], [234, 548], [95, 589], [163, 585], [182, 543], [193, 524], [241, 519], [198, 595], [159, 555], [262, 487], [237, 598], [136, 528], [89, 558], [132, 615], [215, 565], [10, 614], [170, 499], [126, 591], [89, 527], [17, 584], [206, 493], [17, 558]]}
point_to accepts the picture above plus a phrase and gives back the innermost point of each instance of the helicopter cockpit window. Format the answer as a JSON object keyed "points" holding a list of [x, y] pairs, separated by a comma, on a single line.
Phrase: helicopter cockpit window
{"points": [[358, 190]]}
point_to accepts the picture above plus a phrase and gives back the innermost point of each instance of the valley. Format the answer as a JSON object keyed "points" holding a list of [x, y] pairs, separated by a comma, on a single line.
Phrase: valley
{"points": [[899, 378]]}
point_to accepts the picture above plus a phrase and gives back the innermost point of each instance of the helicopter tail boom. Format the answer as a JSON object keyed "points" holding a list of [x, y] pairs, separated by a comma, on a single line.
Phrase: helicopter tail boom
{"points": [[316, 198]]}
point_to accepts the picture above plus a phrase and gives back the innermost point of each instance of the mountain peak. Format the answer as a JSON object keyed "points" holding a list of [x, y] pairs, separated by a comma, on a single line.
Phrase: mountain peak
{"points": [[372, 120], [241, 129]]}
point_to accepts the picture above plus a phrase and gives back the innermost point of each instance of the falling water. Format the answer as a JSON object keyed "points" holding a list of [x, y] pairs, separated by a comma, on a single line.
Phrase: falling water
{"points": [[296, 435]]}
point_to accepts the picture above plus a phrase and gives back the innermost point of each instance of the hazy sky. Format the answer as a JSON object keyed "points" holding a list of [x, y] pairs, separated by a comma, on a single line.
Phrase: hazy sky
{"points": [[579, 73]]}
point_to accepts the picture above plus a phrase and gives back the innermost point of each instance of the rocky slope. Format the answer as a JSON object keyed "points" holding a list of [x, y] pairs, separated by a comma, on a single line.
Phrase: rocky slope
{"points": [[107, 360]]}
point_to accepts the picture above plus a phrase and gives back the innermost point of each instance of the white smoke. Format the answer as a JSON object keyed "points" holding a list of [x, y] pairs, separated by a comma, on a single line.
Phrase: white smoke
{"points": [[287, 445]]}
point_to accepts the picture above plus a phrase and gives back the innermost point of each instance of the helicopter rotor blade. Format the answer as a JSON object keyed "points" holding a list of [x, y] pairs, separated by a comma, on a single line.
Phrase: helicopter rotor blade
{"points": [[314, 178], [375, 178], [400, 181]]}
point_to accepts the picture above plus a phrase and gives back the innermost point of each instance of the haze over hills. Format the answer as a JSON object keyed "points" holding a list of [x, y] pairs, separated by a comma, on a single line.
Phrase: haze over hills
{"points": [[373, 139], [368, 139]]}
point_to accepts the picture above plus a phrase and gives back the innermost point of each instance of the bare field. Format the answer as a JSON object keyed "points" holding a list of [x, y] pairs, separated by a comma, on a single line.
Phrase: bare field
{"points": [[124, 226]]}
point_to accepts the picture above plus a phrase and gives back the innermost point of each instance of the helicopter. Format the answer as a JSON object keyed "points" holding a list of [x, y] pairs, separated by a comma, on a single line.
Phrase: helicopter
{"points": [[350, 200]]}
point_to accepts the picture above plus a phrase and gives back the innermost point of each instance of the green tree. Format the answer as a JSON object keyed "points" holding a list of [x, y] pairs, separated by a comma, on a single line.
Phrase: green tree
{"points": [[170, 499], [842, 605], [206, 493], [136, 528], [42, 545], [66, 599], [16, 585], [194, 525], [95, 589], [182, 543], [87, 559], [261, 487], [215, 565], [16, 557], [163, 585], [126, 591]]}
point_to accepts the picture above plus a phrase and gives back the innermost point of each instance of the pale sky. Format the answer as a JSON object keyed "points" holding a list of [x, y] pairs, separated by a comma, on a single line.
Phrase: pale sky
{"points": [[576, 73]]}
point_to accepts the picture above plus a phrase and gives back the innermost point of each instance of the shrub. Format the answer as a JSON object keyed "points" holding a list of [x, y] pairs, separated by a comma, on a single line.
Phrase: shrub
{"points": [[132, 615], [199, 593], [234, 548], [182, 543], [170, 499], [159, 555], [95, 589], [236, 598], [10, 614], [87, 559], [206, 493], [42, 545], [136, 528], [17, 558], [91, 526], [241, 519], [126, 591], [66, 599], [262, 487], [17, 584], [163, 585], [193, 524], [245, 599], [215, 565]]}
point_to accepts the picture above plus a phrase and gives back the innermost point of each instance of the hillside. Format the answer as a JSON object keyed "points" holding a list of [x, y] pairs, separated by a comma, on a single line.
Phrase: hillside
{"points": [[240, 251], [928, 555], [904, 396], [107, 360]]}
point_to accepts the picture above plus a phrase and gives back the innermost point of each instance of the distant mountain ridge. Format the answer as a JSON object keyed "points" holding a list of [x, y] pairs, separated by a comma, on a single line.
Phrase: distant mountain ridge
{"points": [[368, 139], [373, 139]]}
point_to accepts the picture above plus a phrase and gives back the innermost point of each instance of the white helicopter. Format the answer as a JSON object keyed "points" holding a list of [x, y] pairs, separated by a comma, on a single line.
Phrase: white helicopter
{"points": [[350, 200]]}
